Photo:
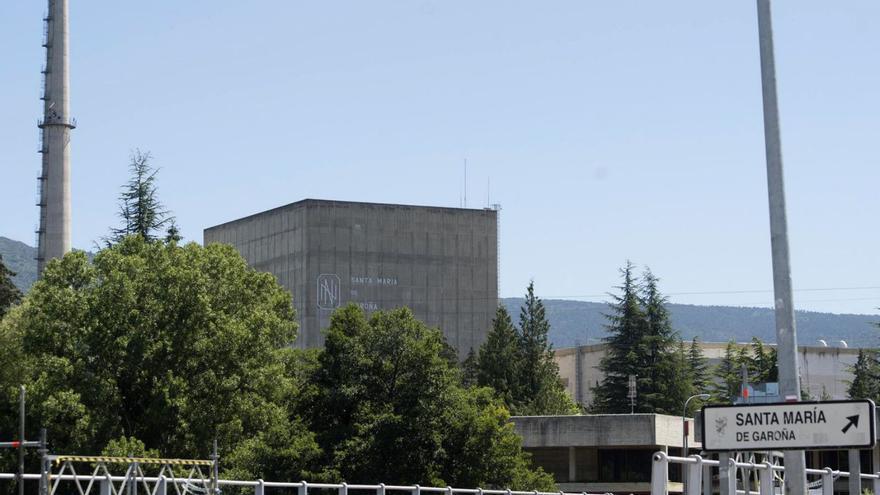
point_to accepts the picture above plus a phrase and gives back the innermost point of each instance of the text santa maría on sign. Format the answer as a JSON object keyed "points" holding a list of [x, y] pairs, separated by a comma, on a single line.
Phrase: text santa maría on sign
{"points": [[366, 280], [813, 416]]}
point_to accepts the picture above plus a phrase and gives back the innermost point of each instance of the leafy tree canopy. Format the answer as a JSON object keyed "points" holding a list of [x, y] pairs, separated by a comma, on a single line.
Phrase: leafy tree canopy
{"points": [[155, 347], [9, 293], [389, 407]]}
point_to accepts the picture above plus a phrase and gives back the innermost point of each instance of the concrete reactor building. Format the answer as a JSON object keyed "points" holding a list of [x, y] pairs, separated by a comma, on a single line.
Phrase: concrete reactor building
{"points": [[440, 262]]}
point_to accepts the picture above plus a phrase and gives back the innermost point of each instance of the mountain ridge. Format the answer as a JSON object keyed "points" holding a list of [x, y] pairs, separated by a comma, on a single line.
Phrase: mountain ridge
{"points": [[582, 322]]}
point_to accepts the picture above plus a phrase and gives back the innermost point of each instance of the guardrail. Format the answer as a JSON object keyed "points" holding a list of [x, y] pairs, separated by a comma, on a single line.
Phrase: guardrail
{"points": [[699, 477], [166, 486]]}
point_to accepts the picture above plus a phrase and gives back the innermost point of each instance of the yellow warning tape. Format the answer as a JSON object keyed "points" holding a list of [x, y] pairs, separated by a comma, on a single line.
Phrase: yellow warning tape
{"points": [[128, 460]]}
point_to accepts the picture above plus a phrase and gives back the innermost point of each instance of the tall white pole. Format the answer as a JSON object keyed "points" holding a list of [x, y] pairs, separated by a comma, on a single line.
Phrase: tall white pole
{"points": [[786, 333]]}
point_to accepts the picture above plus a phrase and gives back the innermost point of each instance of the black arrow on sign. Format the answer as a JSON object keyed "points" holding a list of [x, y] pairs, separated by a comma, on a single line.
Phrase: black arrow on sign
{"points": [[853, 421]]}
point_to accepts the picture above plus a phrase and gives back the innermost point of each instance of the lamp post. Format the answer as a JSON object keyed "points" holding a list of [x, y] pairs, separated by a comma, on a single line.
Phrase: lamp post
{"points": [[684, 427]]}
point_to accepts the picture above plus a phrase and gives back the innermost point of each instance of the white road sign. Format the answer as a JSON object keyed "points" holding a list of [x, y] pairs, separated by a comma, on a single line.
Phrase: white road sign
{"points": [[796, 425]]}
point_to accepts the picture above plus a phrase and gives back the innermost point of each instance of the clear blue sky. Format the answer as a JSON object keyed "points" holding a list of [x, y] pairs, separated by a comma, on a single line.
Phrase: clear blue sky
{"points": [[610, 130]]}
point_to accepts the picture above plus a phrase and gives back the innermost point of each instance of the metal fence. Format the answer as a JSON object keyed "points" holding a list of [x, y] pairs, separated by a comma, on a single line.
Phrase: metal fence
{"points": [[138, 484], [747, 478]]}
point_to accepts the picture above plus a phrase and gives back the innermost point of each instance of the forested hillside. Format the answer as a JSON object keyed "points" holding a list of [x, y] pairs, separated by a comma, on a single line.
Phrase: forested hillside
{"points": [[20, 258], [575, 322], [582, 322]]}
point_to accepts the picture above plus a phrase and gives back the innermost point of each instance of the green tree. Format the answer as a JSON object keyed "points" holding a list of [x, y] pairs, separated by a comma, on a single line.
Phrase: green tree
{"points": [[140, 210], [682, 385], [866, 377], [626, 326], [540, 387], [498, 360], [470, 369], [388, 406], [698, 366], [172, 346], [728, 376], [9, 293], [668, 383], [762, 363]]}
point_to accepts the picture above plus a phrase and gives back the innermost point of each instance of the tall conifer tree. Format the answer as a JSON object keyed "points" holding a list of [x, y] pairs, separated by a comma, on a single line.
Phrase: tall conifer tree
{"points": [[497, 362], [140, 210], [725, 387], [539, 382], [668, 384], [699, 366], [626, 326]]}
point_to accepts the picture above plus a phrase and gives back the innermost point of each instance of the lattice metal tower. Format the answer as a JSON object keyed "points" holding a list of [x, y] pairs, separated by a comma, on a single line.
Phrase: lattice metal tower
{"points": [[53, 233]]}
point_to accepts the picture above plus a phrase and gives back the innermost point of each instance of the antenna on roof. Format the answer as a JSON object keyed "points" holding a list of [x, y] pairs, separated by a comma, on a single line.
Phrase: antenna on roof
{"points": [[465, 182], [488, 190]]}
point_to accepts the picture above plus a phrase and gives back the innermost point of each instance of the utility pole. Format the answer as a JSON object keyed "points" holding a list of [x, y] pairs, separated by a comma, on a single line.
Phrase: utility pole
{"points": [[786, 333], [21, 439]]}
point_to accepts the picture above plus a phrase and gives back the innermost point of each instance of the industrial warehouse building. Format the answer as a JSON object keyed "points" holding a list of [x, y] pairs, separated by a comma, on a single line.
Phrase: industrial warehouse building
{"points": [[824, 371], [440, 262]]}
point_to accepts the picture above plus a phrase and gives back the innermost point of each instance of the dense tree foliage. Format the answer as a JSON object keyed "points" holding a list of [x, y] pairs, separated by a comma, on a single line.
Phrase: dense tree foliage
{"points": [[756, 358], [642, 342], [698, 366], [498, 360], [626, 329], [9, 293], [542, 391], [728, 377], [519, 365], [156, 348], [866, 377], [389, 407], [170, 346]]}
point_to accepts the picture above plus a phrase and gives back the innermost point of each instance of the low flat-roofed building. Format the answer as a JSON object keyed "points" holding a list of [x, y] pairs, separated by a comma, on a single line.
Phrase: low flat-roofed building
{"points": [[601, 453]]}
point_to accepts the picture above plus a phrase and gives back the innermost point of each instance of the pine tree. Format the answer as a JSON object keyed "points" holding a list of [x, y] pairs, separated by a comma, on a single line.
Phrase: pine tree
{"points": [[498, 358], [534, 345], [865, 372], [626, 322], [728, 378], [9, 293], [140, 210], [669, 383], [762, 363], [539, 383], [698, 366], [683, 385], [172, 233]]}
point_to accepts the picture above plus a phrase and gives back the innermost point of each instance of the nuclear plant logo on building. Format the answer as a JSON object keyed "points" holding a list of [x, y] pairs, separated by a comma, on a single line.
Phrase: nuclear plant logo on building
{"points": [[328, 291]]}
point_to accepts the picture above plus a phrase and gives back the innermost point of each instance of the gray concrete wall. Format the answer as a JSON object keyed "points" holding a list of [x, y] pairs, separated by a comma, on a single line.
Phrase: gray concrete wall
{"points": [[604, 430], [601, 430], [440, 262]]}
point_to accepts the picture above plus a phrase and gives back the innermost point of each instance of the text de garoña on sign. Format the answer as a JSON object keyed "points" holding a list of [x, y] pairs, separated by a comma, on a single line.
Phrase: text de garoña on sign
{"points": [[813, 425]]}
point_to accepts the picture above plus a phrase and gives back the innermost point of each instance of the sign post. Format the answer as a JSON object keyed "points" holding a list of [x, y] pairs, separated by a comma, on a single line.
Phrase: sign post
{"points": [[790, 426]]}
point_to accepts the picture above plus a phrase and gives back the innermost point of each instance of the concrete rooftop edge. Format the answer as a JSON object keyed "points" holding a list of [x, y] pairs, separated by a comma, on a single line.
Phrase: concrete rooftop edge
{"points": [[332, 202]]}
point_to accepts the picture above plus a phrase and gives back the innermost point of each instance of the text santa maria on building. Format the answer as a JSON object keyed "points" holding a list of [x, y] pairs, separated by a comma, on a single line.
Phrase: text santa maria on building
{"points": [[796, 425]]}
